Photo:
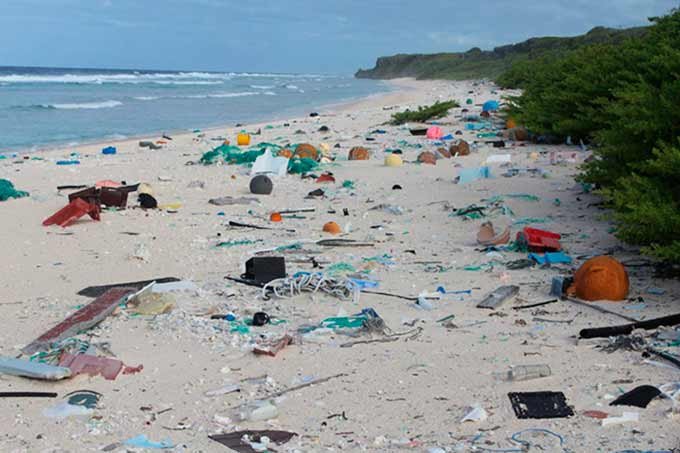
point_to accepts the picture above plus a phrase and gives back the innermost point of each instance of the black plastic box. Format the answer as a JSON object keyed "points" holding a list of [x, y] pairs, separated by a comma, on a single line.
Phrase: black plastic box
{"points": [[264, 269]]}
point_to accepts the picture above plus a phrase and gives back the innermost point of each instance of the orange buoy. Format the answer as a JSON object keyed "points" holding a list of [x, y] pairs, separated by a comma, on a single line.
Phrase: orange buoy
{"points": [[286, 153], [358, 153], [601, 278], [305, 150], [426, 157], [275, 217], [461, 149], [332, 228]]}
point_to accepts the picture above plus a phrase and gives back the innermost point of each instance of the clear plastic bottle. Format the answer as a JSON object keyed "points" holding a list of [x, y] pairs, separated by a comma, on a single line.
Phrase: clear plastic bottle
{"points": [[524, 373], [259, 411]]}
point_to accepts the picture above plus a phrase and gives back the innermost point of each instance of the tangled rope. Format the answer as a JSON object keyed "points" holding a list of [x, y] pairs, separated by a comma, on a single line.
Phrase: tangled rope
{"points": [[344, 289]]}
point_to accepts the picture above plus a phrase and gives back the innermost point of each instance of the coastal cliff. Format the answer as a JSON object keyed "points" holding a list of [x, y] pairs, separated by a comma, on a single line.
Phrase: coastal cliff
{"points": [[477, 63]]}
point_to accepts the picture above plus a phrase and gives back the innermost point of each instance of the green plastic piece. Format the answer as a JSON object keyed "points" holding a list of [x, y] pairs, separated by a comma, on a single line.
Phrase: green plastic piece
{"points": [[344, 322], [520, 196], [296, 246], [347, 184], [237, 243], [530, 220]]}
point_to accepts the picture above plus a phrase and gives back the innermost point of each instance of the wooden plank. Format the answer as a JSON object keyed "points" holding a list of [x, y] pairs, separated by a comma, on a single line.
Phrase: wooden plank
{"points": [[85, 318]]}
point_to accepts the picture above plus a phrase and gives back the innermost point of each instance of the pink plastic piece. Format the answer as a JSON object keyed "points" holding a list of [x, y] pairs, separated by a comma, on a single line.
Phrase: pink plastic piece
{"points": [[93, 365], [434, 133]]}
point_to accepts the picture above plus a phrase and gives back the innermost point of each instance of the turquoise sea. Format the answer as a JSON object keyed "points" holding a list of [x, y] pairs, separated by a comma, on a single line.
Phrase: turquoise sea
{"points": [[47, 107]]}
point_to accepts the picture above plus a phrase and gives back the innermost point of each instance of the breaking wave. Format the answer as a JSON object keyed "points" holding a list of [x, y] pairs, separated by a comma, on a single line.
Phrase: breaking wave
{"points": [[84, 105]]}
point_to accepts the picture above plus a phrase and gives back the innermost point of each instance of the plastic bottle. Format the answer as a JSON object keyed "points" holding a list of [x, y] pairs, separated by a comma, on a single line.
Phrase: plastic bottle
{"points": [[524, 373], [259, 411]]}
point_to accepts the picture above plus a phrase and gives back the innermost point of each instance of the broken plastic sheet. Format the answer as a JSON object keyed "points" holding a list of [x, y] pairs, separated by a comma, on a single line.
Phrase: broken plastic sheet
{"points": [[467, 175], [142, 441], [64, 410], [270, 165], [35, 370]]}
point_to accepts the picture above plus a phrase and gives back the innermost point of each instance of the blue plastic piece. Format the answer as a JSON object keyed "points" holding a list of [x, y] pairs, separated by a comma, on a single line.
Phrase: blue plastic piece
{"points": [[490, 106], [68, 162], [142, 441], [467, 175], [475, 126], [364, 284], [442, 290], [109, 150], [550, 258]]}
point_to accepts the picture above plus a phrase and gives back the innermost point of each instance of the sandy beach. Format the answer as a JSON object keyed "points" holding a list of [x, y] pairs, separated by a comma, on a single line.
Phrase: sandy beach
{"points": [[409, 392]]}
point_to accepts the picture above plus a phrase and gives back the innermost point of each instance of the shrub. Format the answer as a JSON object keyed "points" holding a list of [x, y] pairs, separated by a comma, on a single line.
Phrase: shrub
{"points": [[625, 99], [436, 110]]}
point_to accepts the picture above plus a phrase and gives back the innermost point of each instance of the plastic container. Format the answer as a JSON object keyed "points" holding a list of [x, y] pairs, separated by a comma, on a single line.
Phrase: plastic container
{"points": [[260, 411], [243, 139], [524, 373]]}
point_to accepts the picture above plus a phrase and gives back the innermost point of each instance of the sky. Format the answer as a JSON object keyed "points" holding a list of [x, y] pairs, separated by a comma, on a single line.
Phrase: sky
{"points": [[300, 36]]}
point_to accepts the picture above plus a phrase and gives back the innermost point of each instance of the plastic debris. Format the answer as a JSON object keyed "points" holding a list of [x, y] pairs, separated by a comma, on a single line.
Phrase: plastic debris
{"points": [[34, 370], [142, 441], [8, 191], [627, 417], [468, 175], [476, 414]]}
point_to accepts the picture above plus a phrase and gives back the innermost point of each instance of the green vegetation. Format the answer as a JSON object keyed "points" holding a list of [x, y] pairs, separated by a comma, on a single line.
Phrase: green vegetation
{"points": [[624, 98], [477, 64], [436, 110]]}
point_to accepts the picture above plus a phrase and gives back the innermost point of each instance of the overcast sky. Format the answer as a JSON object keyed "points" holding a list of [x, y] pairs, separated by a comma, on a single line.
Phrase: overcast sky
{"points": [[322, 36]]}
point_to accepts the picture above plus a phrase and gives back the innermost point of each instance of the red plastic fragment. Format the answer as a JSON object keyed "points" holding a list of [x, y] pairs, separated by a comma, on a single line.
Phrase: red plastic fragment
{"points": [[596, 414], [72, 212], [325, 178], [539, 241]]}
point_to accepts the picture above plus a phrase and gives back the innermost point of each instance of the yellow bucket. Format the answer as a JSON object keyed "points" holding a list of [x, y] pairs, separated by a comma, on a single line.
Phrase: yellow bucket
{"points": [[243, 139]]}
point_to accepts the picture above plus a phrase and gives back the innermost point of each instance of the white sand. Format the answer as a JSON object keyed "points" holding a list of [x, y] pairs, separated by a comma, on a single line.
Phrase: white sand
{"points": [[408, 395]]}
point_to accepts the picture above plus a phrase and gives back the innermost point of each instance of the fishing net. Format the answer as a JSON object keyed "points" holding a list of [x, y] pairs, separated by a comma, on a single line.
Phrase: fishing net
{"points": [[8, 191]]}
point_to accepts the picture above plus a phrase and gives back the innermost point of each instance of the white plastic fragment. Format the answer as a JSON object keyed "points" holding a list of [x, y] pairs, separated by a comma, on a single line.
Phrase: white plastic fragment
{"points": [[268, 164], [625, 418], [476, 414], [231, 388]]}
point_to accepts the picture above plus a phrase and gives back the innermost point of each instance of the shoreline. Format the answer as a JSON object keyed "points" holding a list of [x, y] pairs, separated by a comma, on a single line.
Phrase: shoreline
{"points": [[284, 116]]}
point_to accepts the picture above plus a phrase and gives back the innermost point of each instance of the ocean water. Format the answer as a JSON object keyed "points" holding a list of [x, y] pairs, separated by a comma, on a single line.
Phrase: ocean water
{"points": [[43, 107]]}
